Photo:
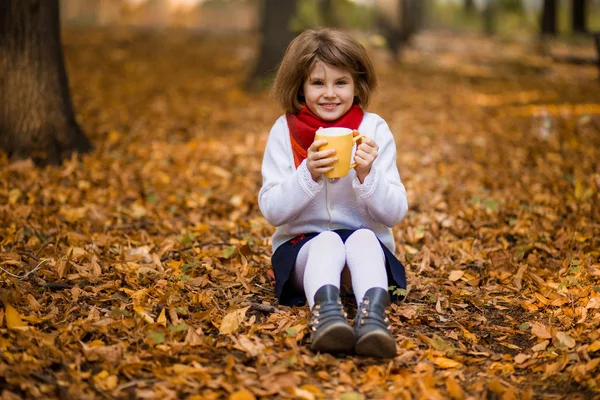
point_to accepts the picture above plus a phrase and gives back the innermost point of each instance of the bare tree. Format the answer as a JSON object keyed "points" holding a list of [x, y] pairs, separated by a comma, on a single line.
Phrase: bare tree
{"points": [[276, 35], [36, 114]]}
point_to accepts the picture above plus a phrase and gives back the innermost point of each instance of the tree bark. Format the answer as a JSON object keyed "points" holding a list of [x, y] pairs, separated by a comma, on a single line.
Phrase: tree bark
{"points": [[276, 36], [578, 14], [36, 114], [548, 23]]}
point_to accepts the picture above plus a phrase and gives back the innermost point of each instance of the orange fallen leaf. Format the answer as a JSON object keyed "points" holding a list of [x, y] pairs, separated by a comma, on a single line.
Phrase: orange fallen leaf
{"points": [[540, 330], [242, 395], [444, 362], [594, 347], [454, 389], [456, 275]]}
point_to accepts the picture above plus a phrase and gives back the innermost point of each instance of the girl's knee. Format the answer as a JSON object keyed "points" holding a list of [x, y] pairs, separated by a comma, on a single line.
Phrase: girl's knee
{"points": [[328, 237], [361, 236]]}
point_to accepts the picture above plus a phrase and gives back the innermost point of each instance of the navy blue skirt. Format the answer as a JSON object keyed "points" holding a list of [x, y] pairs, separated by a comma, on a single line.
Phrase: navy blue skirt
{"points": [[284, 260]]}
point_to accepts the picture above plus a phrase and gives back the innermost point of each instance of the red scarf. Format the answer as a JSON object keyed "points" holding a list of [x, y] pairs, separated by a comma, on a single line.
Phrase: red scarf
{"points": [[303, 126]]}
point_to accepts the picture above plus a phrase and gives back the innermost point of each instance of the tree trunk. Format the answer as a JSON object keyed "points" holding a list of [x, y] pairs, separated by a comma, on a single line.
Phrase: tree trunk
{"points": [[276, 35], [327, 13], [398, 25], [36, 115], [548, 23], [469, 6], [578, 22], [489, 17]]}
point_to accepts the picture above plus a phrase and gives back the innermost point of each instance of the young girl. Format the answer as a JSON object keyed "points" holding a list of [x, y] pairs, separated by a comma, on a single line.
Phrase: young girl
{"points": [[326, 225]]}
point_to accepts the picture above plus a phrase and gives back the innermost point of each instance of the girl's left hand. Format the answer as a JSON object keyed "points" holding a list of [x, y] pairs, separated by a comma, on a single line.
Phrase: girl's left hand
{"points": [[365, 155]]}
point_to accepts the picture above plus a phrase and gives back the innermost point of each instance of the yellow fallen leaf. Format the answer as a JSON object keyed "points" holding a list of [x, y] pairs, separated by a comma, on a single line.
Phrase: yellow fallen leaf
{"points": [[242, 395], [541, 346], [231, 322], [594, 347], [444, 362], [313, 389], [469, 335], [162, 318], [14, 195], [13, 318], [104, 381], [139, 310]]}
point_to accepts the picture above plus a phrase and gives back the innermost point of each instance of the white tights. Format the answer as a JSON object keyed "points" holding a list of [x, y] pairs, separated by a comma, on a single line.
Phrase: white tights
{"points": [[322, 259]]}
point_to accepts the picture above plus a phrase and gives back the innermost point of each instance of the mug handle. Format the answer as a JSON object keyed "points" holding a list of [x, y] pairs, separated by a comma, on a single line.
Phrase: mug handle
{"points": [[356, 139]]}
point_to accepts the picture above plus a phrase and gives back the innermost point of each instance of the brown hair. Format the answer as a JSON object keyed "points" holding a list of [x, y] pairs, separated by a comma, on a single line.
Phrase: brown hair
{"points": [[332, 47]]}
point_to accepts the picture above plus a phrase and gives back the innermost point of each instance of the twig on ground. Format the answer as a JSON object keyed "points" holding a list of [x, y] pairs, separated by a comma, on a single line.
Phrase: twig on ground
{"points": [[21, 277]]}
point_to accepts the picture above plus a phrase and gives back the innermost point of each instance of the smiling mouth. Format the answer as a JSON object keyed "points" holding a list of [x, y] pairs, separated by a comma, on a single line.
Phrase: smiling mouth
{"points": [[329, 106]]}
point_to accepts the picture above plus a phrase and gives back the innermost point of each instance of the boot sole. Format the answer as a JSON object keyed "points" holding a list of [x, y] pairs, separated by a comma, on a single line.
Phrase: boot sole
{"points": [[335, 338], [376, 344]]}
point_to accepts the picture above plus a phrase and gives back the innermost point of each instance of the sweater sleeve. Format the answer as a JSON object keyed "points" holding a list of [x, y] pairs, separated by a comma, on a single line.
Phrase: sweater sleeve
{"points": [[382, 190], [285, 191]]}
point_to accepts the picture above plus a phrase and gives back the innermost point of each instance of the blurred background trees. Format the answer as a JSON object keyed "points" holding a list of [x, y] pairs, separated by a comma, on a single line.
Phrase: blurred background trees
{"points": [[387, 24]]}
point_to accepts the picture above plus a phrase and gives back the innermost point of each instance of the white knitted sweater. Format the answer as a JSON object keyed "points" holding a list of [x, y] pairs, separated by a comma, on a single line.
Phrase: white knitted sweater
{"points": [[290, 200]]}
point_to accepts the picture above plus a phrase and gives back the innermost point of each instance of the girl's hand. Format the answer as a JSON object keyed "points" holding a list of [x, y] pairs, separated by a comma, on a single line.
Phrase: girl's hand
{"points": [[365, 155], [318, 162]]}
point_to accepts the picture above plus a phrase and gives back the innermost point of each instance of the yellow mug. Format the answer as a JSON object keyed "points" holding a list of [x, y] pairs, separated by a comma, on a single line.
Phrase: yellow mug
{"points": [[342, 140]]}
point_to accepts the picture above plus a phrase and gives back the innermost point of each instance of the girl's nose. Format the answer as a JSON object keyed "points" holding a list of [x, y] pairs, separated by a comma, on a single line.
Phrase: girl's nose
{"points": [[330, 92]]}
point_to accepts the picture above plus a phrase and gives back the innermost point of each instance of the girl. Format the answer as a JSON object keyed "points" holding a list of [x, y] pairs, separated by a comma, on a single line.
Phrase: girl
{"points": [[324, 226]]}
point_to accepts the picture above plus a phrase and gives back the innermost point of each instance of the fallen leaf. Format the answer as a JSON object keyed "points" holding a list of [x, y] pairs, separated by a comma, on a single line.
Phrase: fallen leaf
{"points": [[456, 275], [444, 362], [242, 395], [139, 310], [232, 321], [13, 318], [162, 318], [540, 330], [565, 340], [521, 358], [592, 348]]}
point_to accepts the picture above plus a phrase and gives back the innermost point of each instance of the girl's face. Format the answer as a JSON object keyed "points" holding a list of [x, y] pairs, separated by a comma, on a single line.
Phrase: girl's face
{"points": [[329, 91]]}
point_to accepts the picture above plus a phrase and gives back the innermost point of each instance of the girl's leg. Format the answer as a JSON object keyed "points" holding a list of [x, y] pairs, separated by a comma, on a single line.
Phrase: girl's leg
{"points": [[319, 263], [318, 270], [366, 263]]}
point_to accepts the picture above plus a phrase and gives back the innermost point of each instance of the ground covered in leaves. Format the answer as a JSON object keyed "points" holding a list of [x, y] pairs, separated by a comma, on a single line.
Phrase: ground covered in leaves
{"points": [[149, 258]]}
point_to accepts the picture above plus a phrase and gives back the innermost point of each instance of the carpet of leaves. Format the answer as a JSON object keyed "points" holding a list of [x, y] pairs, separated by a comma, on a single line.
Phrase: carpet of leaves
{"points": [[150, 260]]}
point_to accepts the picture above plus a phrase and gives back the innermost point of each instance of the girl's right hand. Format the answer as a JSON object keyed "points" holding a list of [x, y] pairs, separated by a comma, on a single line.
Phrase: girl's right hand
{"points": [[318, 162]]}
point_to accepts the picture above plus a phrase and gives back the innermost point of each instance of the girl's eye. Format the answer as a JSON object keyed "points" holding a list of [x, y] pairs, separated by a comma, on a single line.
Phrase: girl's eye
{"points": [[341, 82], [318, 83]]}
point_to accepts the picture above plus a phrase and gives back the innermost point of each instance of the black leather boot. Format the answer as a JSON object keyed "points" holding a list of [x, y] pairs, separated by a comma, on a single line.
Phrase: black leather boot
{"points": [[330, 331], [373, 332]]}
